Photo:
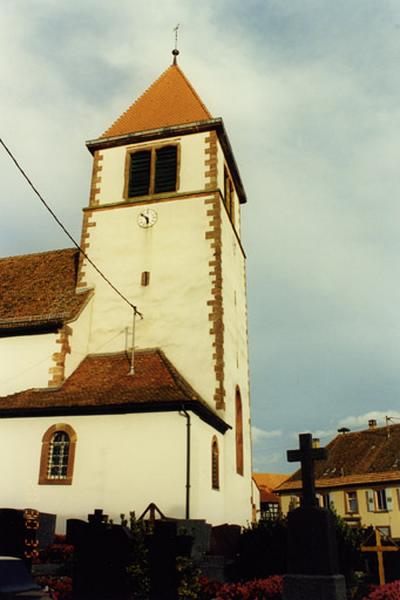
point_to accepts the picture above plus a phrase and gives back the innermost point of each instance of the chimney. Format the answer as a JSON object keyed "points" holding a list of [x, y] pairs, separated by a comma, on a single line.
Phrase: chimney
{"points": [[343, 430], [372, 424], [315, 443]]}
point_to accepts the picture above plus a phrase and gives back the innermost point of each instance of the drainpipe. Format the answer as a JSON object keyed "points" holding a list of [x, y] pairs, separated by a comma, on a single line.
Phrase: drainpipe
{"points": [[185, 414]]}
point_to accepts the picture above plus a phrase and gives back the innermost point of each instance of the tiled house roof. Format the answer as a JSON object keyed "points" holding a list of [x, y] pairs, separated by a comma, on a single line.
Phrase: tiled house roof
{"points": [[101, 384], [169, 101], [266, 483], [356, 458], [38, 290]]}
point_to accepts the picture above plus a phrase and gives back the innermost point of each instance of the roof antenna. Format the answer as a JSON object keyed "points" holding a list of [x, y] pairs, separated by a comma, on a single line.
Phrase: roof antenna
{"points": [[175, 51], [132, 367]]}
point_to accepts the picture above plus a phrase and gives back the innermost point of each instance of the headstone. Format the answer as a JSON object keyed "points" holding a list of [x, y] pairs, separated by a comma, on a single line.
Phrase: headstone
{"points": [[101, 557], [14, 577], [162, 545], [225, 540], [24, 532], [199, 531], [312, 550]]}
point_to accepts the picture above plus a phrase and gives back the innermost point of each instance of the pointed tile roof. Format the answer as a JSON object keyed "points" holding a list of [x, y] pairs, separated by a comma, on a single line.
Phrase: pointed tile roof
{"points": [[170, 100]]}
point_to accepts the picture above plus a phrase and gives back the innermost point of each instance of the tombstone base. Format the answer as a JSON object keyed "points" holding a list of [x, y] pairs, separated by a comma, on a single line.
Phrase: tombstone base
{"points": [[314, 587]]}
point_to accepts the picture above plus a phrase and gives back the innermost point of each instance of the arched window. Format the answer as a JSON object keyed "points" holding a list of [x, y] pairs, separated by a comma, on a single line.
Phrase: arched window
{"points": [[214, 464], [58, 453], [239, 432]]}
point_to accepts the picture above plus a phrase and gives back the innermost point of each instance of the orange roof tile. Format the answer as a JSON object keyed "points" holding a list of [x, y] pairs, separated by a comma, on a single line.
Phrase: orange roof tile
{"points": [[170, 100], [270, 480], [39, 289], [102, 383], [266, 482]]}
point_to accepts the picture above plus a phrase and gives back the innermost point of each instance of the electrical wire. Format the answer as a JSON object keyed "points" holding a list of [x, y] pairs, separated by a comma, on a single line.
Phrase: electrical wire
{"points": [[116, 290]]}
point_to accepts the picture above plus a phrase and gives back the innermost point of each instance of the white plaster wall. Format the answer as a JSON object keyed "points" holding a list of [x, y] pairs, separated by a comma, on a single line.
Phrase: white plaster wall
{"points": [[174, 305], [79, 340], [25, 362], [221, 185], [204, 499], [122, 463], [236, 372], [220, 168], [191, 171], [118, 465]]}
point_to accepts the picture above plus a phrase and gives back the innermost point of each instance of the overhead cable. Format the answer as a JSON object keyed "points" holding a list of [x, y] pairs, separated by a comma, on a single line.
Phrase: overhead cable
{"points": [[116, 290]]}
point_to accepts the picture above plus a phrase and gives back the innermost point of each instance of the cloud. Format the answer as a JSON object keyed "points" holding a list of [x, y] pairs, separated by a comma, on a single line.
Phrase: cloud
{"points": [[309, 95], [263, 463], [258, 434], [362, 420]]}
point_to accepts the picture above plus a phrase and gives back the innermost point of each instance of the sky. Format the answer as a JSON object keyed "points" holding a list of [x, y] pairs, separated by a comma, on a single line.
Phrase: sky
{"points": [[309, 93]]}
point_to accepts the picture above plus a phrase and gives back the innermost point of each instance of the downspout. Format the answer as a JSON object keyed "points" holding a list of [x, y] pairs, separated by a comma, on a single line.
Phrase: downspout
{"points": [[185, 414]]}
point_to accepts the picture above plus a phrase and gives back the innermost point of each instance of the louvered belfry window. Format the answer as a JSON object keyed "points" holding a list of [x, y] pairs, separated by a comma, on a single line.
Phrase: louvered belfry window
{"points": [[152, 171], [139, 177], [165, 180]]}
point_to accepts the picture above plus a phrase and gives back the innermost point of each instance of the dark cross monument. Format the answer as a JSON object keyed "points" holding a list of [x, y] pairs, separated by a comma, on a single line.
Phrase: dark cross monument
{"points": [[306, 455], [312, 552]]}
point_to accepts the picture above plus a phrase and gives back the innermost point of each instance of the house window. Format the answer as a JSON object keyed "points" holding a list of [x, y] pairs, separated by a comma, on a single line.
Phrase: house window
{"points": [[351, 502], [214, 464], [57, 457], [294, 502], [385, 532], [152, 171], [269, 511], [325, 500], [239, 433], [380, 499]]}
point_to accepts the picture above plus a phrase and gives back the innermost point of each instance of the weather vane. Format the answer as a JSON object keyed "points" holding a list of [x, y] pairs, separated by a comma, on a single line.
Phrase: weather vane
{"points": [[175, 51]]}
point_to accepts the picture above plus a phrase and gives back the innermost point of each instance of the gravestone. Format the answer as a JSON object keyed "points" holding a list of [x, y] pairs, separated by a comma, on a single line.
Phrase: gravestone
{"points": [[200, 531], [101, 557], [312, 549], [24, 532]]}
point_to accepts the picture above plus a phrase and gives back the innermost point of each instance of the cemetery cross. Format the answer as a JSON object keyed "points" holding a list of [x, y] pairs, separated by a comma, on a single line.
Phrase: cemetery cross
{"points": [[306, 455]]}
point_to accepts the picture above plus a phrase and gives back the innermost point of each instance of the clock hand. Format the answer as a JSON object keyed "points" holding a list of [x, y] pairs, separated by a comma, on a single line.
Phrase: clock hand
{"points": [[145, 216]]}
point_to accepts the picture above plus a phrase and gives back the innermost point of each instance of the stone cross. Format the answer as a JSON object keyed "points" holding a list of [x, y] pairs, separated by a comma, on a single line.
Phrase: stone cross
{"points": [[306, 455]]}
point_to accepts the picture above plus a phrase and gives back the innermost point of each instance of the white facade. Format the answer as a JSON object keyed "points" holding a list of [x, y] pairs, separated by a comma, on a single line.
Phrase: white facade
{"points": [[125, 461]]}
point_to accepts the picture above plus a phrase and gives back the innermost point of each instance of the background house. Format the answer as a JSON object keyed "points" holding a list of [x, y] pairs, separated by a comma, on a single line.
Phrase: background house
{"points": [[270, 502], [360, 478]]}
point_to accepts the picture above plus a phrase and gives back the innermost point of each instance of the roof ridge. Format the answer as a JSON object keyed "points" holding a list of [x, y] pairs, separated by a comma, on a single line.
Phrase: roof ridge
{"points": [[38, 253], [195, 94], [137, 99], [178, 378]]}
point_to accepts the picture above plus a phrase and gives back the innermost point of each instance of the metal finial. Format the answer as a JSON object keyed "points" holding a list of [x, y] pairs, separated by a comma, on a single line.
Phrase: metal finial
{"points": [[175, 51]]}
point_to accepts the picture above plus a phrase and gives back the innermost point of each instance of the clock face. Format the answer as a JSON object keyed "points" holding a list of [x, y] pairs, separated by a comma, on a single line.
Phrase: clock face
{"points": [[147, 217]]}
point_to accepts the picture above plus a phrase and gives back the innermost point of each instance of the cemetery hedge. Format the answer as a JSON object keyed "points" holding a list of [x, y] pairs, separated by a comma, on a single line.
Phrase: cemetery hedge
{"points": [[255, 573], [263, 550]]}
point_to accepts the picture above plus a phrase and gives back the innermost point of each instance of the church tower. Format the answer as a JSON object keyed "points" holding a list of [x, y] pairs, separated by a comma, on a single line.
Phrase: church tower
{"points": [[169, 421], [163, 222]]}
